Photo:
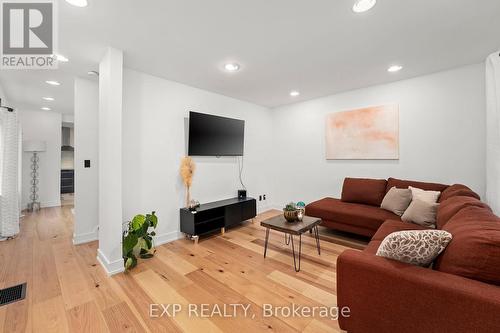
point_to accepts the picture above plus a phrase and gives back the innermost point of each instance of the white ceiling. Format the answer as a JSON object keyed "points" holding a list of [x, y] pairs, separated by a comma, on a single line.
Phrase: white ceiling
{"points": [[318, 47]]}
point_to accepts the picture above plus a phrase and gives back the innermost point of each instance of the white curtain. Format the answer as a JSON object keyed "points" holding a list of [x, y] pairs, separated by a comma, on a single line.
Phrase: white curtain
{"points": [[493, 131], [9, 174]]}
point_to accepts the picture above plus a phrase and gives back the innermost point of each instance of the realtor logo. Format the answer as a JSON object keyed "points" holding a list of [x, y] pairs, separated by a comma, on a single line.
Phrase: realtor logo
{"points": [[28, 34]]}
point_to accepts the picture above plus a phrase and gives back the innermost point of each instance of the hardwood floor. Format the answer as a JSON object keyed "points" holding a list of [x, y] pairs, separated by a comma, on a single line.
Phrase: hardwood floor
{"points": [[68, 291]]}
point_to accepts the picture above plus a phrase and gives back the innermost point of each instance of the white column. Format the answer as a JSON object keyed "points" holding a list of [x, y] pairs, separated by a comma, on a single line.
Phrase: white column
{"points": [[110, 161], [493, 131], [86, 148]]}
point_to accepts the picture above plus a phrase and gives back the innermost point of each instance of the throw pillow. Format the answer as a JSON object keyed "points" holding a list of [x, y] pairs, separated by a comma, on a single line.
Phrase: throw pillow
{"points": [[429, 196], [422, 213], [416, 247], [397, 200]]}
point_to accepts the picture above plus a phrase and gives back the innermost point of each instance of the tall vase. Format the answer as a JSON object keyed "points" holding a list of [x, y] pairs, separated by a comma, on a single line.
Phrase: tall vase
{"points": [[188, 196]]}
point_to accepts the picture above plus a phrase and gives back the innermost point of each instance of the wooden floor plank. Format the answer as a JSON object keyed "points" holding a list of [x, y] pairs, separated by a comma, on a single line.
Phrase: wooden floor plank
{"points": [[304, 288], [86, 318], [162, 293], [75, 290], [48, 316], [119, 318]]}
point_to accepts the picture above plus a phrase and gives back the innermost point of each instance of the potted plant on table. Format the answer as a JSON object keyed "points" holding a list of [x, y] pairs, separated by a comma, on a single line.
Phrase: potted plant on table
{"points": [[290, 212], [137, 239]]}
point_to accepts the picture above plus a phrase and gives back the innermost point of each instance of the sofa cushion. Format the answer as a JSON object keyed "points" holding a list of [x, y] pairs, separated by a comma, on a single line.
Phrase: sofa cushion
{"points": [[359, 215], [399, 183], [390, 226], [449, 207], [396, 200], [422, 213], [364, 191], [458, 190], [423, 195], [474, 252], [415, 247]]}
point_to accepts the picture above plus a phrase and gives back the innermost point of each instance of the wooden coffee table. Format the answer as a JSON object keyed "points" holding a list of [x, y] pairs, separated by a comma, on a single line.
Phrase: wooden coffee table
{"points": [[291, 229]]}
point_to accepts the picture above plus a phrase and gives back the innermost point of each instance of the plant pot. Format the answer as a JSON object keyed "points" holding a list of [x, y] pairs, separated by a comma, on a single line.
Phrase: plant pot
{"points": [[290, 215]]}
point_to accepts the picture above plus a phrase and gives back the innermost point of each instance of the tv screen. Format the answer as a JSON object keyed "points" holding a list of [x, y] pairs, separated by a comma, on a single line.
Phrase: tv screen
{"points": [[215, 136]]}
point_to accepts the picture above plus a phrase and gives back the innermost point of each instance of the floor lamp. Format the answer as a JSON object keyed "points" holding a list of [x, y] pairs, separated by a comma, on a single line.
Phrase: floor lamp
{"points": [[34, 147]]}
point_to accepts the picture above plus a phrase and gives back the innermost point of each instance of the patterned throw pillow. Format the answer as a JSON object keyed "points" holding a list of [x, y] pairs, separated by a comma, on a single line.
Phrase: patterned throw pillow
{"points": [[416, 247]]}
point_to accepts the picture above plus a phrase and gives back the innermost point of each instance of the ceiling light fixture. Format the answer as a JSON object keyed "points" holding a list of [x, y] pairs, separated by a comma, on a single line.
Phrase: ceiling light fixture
{"points": [[60, 57], [232, 67], [78, 3], [50, 99], [294, 93], [362, 6], [45, 108], [394, 68], [53, 83], [93, 73]]}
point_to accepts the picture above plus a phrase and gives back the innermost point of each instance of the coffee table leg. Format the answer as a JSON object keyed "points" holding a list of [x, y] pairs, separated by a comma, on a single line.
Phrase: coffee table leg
{"points": [[267, 240], [293, 252], [287, 239], [316, 235]]}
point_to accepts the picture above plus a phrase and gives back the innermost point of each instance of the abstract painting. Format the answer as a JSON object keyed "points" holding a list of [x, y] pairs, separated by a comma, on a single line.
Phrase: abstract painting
{"points": [[370, 133]]}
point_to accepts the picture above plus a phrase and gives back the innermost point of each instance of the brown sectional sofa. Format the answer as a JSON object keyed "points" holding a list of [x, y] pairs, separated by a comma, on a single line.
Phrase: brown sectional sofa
{"points": [[460, 293], [358, 211]]}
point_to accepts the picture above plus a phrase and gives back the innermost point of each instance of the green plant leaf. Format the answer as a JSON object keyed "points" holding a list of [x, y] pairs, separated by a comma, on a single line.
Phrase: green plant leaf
{"points": [[148, 242], [138, 222], [154, 220], [130, 263], [129, 242], [146, 255], [140, 245], [144, 229]]}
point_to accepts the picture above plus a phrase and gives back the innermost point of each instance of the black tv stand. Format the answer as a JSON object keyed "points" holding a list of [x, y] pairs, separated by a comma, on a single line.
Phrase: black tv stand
{"points": [[216, 215]]}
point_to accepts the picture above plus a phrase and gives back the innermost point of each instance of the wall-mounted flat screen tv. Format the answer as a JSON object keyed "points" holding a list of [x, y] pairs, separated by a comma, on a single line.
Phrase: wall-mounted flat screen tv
{"points": [[215, 136]]}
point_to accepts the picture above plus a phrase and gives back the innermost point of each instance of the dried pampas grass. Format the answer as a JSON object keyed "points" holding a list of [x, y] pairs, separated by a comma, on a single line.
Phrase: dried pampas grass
{"points": [[187, 173], [187, 170]]}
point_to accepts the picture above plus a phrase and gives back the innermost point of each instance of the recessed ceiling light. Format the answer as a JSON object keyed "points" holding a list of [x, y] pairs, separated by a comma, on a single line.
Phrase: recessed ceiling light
{"points": [[50, 99], [362, 6], [61, 58], [394, 68], [78, 3], [53, 83], [294, 93], [232, 67], [45, 108], [93, 73]]}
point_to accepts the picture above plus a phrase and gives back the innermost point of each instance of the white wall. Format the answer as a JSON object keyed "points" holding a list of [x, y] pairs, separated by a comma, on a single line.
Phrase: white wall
{"points": [[45, 126], [442, 136], [86, 148], [154, 139], [110, 161]]}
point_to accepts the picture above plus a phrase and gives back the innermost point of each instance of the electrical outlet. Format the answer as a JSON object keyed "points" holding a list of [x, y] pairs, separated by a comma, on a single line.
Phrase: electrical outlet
{"points": [[260, 197], [264, 197]]}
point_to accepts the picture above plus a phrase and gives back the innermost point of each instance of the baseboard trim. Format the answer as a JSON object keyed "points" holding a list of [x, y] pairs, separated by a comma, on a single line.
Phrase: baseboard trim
{"points": [[111, 268], [168, 237], [50, 204], [46, 204], [85, 238]]}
